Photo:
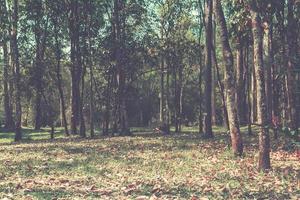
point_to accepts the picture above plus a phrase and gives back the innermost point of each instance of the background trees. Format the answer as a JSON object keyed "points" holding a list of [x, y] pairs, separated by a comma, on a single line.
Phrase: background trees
{"points": [[113, 65]]}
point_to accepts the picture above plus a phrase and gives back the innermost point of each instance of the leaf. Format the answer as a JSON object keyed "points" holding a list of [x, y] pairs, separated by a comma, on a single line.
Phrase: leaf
{"points": [[142, 198]]}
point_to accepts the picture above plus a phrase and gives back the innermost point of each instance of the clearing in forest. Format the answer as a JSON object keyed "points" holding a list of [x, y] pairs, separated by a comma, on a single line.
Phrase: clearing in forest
{"points": [[144, 166]]}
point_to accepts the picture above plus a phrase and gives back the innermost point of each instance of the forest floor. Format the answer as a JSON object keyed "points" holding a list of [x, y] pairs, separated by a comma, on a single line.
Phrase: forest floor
{"points": [[144, 166]]}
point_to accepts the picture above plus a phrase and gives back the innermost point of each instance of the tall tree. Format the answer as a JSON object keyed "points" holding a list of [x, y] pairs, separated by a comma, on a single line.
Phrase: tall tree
{"points": [[262, 115], [119, 28], [40, 33], [56, 20], [17, 73], [236, 138], [76, 63], [240, 71], [8, 110], [9, 121], [208, 70], [291, 66]]}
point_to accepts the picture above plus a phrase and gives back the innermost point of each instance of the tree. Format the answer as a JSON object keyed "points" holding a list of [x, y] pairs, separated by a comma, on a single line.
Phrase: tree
{"points": [[236, 138], [56, 19], [262, 115], [36, 13], [208, 70], [17, 74], [76, 63], [4, 39], [291, 66]]}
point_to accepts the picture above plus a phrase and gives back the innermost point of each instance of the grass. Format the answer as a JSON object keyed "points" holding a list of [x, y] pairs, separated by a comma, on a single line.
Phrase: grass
{"points": [[144, 166]]}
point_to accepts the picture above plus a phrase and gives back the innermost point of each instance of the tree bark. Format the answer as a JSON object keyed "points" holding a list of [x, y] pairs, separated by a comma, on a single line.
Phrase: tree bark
{"points": [[268, 70], [59, 78], [120, 67], [162, 92], [7, 89], [207, 121], [241, 94], [254, 97], [9, 121], [236, 138], [61, 91], [76, 65], [92, 127], [291, 65], [221, 87], [40, 39], [17, 74], [82, 131], [248, 83], [262, 115]]}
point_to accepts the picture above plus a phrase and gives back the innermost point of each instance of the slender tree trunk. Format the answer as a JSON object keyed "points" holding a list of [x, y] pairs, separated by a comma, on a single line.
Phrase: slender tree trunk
{"points": [[9, 121], [241, 95], [200, 117], [168, 95], [269, 92], [221, 87], [291, 66], [276, 80], [236, 138], [201, 24], [248, 78], [92, 102], [208, 71], [76, 65], [162, 92], [262, 115], [213, 81], [176, 102], [213, 102], [82, 131], [121, 67], [107, 106], [180, 98], [254, 97], [38, 66], [17, 74], [59, 85]]}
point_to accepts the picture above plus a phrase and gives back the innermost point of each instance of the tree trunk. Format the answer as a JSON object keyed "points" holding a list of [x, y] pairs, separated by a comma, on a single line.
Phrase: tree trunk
{"points": [[254, 97], [221, 87], [17, 75], [262, 115], [76, 65], [9, 121], [107, 105], [168, 95], [236, 138], [241, 94], [39, 68], [268, 70], [201, 25], [162, 92], [82, 131], [200, 117], [176, 102], [213, 81], [92, 128], [248, 83], [291, 66], [119, 24], [208, 71], [180, 98], [59, 82]]}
